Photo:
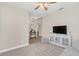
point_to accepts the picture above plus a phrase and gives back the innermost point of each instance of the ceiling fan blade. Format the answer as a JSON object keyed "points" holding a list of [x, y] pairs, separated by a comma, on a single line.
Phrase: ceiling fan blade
{"points": [[37, 7]]}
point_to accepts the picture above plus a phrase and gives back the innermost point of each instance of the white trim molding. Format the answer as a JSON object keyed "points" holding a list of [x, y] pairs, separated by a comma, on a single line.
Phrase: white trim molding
{"points": [[9, 49]]}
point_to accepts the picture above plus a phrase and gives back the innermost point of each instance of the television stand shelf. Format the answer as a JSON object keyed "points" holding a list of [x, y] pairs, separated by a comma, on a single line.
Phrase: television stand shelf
{"points": [[60, 40]]}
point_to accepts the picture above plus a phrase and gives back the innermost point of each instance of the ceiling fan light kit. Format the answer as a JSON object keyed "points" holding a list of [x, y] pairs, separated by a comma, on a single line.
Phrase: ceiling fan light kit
{"points": [[41, 5], [44, 5]]}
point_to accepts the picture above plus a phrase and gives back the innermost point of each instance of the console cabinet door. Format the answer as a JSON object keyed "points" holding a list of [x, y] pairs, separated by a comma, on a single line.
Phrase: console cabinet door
{"points": [[65, 42]]}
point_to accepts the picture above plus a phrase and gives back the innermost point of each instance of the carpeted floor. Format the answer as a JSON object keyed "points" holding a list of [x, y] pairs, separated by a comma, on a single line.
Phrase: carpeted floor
{"points": [[36, 48]]}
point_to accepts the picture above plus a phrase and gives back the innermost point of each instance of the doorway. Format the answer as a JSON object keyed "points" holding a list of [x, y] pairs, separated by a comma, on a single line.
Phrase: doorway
{"points": [[35, 30]]}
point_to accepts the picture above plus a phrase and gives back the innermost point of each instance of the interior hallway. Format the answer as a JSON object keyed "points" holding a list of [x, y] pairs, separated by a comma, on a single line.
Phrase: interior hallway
{"points": [[36, 48]]}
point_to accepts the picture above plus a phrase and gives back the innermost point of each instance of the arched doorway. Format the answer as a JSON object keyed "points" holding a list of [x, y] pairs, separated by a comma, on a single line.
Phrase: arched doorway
{"points": [[35, 27]]}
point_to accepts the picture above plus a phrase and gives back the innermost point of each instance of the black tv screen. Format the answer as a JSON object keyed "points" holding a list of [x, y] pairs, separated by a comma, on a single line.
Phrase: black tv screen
{"points": [[60, 29]]}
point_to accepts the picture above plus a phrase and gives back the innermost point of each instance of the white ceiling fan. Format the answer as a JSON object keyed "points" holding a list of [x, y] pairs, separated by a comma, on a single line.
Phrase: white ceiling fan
{"points": [[43, 5]]}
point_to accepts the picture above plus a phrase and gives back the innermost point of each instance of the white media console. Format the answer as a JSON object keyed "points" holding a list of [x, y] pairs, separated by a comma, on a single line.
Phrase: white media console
{"points": [[58, 39]]}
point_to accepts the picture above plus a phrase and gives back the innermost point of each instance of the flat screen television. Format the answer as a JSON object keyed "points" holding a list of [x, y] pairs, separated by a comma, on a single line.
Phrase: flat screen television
{"points": [[60, 29]]}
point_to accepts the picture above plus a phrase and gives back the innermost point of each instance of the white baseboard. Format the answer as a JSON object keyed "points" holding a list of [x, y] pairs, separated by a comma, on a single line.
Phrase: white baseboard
{"points": [[9, 49]]}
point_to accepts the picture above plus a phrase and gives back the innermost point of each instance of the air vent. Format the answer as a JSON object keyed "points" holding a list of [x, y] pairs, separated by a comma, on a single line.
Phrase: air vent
{"points": [[60, 8]]}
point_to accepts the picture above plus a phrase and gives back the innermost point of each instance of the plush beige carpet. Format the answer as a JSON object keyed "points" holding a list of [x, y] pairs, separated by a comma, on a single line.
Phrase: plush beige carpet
{"points": [[36, 48]]}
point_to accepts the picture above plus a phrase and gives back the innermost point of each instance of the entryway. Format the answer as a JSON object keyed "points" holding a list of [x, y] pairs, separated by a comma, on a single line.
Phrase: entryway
{"points": [[35, 30]]}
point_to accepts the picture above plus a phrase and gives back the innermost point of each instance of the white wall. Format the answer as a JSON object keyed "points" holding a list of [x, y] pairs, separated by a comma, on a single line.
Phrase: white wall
{"points": [[68, 16], [14, 26]]}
